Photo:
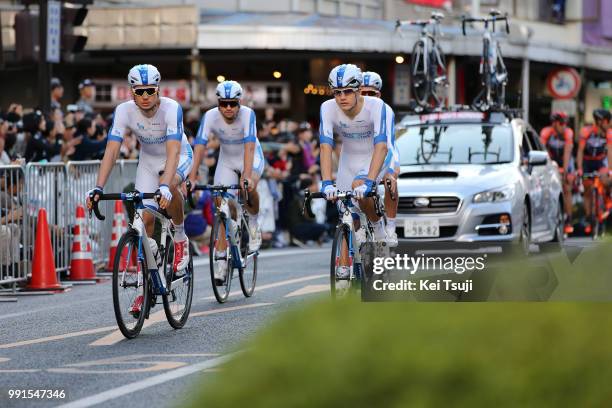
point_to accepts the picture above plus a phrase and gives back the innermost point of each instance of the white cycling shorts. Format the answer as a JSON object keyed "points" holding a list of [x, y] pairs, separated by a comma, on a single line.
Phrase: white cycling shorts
{"points": [[149, 167]]}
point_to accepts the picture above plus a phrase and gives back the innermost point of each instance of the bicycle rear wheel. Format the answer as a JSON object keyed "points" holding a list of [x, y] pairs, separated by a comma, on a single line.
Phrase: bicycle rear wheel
{"points": [[419, 80], [131, 295], [248, 273], [339, 287], [440, 80], [177, 302], [222, 291]]}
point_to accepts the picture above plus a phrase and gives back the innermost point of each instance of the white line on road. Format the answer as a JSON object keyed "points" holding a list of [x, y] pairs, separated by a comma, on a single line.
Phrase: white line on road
{"points": [[146, 383], [274, 285], [116, 336], [308, 289]]}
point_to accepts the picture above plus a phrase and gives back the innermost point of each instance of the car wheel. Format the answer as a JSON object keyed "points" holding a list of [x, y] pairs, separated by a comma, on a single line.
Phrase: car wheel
{"points": [[524, 241]]}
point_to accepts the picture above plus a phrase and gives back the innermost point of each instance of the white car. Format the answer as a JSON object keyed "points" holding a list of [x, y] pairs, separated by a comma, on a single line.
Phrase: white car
{"points": [[475, 177]]}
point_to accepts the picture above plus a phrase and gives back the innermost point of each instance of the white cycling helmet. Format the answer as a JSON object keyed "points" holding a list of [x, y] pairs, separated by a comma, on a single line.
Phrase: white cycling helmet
{"points": [[345, 76], [144, 74], [371, 78], [229, 90]]}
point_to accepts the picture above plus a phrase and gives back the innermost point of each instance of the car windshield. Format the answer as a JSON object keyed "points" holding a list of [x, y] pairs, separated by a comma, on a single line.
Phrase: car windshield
{"points": [[455, 143]]}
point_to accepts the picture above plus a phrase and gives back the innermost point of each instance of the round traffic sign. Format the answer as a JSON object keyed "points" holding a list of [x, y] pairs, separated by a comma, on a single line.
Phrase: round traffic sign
{"points": [[563, 83]]}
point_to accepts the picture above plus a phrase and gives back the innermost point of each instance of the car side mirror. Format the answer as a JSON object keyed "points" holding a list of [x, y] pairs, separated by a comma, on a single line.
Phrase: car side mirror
{"points": [[537, 158]]}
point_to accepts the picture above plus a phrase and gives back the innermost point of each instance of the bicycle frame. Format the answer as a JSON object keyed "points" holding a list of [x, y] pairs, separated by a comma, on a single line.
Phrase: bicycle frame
{"points": [[145, 251], [232, 229]]}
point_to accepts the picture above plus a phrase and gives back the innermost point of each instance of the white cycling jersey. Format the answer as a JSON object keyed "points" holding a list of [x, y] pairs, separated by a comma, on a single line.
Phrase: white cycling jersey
{"points": [[358, 135], [153, 133], [232, 137]]}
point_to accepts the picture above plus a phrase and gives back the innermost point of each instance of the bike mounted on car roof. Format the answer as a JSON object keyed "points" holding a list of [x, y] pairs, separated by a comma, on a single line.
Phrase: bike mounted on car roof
{"points": [[492, 70], [428, 79]]}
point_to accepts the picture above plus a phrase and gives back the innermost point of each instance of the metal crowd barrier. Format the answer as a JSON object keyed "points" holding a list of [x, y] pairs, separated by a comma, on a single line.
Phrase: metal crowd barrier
{"points": [[59, 188], [14, 263]]}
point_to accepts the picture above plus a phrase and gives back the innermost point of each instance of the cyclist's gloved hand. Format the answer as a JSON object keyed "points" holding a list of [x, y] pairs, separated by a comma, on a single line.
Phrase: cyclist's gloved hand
{"points": [[361, 191], [164, 190], [328, 188], [91, 194]]}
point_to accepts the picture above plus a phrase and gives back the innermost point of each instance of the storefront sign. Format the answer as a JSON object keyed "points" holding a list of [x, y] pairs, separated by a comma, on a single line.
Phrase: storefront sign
{"points": [[563, 83], [111, 92]]}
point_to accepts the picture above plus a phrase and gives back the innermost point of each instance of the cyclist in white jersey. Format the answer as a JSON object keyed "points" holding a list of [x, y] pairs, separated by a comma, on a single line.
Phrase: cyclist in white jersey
{"points": [[235, 127], [165, 154], [372, 85], [361, 123]]}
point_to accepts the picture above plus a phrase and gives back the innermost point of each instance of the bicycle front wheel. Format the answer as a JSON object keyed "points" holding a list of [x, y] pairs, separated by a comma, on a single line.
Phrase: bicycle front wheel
{"points": [[248, 272], [131, 299], [419, 80], [340, 287], [220, 262], [177, 302]]}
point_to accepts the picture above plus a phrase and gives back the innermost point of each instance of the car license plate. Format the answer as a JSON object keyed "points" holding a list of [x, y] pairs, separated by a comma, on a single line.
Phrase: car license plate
{"points": [[421, 228]]}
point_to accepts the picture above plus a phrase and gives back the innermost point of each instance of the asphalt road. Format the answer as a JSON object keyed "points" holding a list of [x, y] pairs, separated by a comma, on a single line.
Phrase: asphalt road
{"points": [[70, 341]]}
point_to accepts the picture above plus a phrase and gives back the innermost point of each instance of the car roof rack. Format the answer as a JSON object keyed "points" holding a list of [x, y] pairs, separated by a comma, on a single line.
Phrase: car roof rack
{"points": [[493, 114]]}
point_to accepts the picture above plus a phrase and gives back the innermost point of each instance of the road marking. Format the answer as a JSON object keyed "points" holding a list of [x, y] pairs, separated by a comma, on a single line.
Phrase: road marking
{"points": [[8, 371], [146, 383], [131, 360], [271, 254], [275, 285], [116, 336], [57, 337], [308, 289]]}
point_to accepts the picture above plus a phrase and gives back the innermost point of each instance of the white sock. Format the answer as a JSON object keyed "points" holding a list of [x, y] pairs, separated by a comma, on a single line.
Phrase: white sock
{"points": [[391, 223], [379, 228], [253, 218], [179, 232]]}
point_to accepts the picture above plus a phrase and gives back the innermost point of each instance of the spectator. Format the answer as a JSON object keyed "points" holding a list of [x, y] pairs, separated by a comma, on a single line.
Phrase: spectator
{"points": [[57, 91], [199, 221], [302, 227], [87, 91], [11, 215], [88, 148], [43, 142], [302, 153], [15, 144]]}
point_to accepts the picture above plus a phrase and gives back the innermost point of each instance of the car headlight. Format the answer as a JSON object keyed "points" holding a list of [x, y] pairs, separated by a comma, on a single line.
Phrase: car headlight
{"points": [[495, 195]]}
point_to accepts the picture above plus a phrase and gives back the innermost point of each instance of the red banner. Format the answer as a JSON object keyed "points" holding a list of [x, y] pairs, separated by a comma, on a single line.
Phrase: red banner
{"points": [[431, 3]]}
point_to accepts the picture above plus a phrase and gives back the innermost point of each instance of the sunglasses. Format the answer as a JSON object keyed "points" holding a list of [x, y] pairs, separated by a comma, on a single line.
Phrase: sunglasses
{"points": [[228, 104], [142, 91], [369, 93], [345, 91]]}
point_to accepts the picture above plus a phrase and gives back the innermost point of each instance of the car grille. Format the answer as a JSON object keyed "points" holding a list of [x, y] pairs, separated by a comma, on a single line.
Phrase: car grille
{"points": [[445, 232], [436, 205]]}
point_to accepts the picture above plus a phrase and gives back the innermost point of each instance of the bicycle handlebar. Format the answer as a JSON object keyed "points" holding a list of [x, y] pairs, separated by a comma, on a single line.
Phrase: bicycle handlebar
{"points": [[345, 195], [494, 18], [135, 196], [218, 188]]}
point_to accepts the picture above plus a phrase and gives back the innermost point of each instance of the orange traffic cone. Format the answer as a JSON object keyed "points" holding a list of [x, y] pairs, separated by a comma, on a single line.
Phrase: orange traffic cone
{"points": [[43, 263], [81, 263], [119, 227]]}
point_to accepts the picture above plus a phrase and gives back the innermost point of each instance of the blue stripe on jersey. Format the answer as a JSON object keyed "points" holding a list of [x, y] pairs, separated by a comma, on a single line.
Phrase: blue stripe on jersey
{"points": [[144, 74], [323, 139], [201, 138], [179, 125], [250, 136], [113, 138], [382, 136], [393, 129]]}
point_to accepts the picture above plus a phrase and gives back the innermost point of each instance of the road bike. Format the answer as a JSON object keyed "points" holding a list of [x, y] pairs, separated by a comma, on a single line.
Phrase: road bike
{"points": [[492, 70], [143, 269], [599, 213], [428, 79], [360, 255], [235, 222]]}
